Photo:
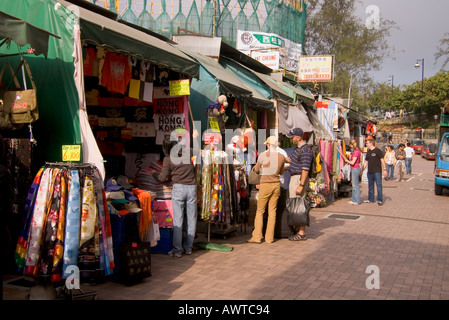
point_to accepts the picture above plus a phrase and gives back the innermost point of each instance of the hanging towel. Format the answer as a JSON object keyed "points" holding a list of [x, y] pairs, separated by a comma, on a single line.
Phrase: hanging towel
{"points": [[145, 220], [72, 232]]}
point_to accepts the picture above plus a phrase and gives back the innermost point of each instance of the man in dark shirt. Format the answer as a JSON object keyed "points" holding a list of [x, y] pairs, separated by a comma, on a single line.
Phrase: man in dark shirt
{"points": [[375, 162], [301, 160], [178, 167]]}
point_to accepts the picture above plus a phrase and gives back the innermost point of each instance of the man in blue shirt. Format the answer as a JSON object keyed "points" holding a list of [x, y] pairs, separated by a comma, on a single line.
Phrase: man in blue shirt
{"points": [[301, 160]]}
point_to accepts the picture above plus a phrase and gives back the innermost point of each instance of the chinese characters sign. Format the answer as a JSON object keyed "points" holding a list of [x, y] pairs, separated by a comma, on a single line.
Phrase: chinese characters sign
{"points": [[315, 68]]}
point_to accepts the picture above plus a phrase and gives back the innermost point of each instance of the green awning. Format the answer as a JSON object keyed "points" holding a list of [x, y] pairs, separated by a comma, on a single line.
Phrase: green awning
{"points": [[228, 81], [256, 80], [102, 31], [23, 33]]}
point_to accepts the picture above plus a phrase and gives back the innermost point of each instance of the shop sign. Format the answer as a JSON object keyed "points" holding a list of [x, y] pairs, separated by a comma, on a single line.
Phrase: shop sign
{"points": [[248, 41], [315, 68], [168, 106], [169, 122], [71, 153], [268, 58], [179, 87]]}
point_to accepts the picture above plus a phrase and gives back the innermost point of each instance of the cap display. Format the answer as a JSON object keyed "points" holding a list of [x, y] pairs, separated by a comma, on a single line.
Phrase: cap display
{"points": [[111, 185], [132, 207]]}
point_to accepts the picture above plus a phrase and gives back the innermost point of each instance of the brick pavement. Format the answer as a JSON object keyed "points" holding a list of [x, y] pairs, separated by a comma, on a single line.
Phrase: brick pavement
{"points": [[407, 239]]}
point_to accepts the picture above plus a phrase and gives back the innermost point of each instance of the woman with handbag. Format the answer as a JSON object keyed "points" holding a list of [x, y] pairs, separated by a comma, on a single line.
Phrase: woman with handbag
{"points": [[271, 165], [297, 205]]}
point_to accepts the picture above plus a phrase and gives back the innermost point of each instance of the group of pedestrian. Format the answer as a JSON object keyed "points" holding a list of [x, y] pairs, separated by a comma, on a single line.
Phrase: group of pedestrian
{"points": [[271, 165], [379, 165]]}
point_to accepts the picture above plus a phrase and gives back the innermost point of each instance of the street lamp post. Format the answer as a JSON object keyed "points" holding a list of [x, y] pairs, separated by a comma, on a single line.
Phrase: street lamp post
{"points": [[417, 65], [435, 118]]}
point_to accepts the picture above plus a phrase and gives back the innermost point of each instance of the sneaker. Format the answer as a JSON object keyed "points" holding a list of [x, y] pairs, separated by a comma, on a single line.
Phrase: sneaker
{"points": [[367, 201], [351, 202], [380, 203], [188, 253], [172, 254]]}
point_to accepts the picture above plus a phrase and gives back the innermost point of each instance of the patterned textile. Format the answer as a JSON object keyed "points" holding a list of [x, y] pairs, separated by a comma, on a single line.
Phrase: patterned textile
{"points": [[37, 224], [89, 250], [59, 241], [72, 232], [106, 251], [22, 243], [51, 226]]}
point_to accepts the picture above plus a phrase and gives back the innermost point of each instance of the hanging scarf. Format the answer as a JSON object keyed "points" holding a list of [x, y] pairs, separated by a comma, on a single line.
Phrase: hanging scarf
{"points": [[22, 242], [72, 232], [51, 226], [106, 251], [59, 241], [37, 224], [88, 254]]}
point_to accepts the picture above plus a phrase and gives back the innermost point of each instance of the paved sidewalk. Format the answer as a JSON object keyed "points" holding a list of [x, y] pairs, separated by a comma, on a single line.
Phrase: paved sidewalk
{"points": [[406, 240]]}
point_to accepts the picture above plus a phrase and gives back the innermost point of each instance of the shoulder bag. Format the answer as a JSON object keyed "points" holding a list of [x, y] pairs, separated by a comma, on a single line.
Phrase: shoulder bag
{"points": [[21, 103]]}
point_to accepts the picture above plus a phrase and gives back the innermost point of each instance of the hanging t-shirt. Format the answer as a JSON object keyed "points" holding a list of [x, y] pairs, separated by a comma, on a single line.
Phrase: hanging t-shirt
{"points": [[116, 73]]}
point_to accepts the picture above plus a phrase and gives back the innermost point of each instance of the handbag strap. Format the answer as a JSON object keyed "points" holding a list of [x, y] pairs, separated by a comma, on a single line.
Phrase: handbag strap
{"points": [[16, 82], [28, 70]]}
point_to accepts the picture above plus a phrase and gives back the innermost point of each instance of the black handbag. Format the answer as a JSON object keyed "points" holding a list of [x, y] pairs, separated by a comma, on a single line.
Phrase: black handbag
{"points": [[298, 211]]}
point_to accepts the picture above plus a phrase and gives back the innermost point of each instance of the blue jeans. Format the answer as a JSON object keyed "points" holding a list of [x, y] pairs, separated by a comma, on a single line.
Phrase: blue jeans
{"points": [[355, 180], [408, 165], [184, 199], [375, 178], [390, 171]]}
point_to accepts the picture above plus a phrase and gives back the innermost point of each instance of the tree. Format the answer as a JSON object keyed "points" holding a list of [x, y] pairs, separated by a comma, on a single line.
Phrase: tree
{"points": [[443, 51], [332, 28]]}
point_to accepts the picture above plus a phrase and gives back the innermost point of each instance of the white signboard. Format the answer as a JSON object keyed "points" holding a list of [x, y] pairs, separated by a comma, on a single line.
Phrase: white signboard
{"points": [[254, 40], [270, 58], [315, 68]]}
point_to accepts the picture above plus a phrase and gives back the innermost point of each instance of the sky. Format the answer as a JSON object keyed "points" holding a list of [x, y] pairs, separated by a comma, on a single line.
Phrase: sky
{"points": [[421, 26]]}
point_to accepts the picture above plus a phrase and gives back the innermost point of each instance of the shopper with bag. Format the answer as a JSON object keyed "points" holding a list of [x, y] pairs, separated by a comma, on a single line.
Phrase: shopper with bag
{"points": [[271, 165], [298, 205]]}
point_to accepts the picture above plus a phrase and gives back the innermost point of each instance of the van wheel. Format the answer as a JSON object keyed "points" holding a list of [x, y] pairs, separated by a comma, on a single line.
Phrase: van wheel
{"points": [[438, 190]]}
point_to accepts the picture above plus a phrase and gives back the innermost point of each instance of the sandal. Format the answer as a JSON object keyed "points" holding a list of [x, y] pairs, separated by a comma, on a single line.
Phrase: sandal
{"points": [[297, 237]]}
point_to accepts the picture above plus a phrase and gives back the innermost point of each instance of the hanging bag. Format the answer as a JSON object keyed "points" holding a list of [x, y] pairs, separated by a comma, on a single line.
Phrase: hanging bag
{"points": [[21, 103], [5, 119]]}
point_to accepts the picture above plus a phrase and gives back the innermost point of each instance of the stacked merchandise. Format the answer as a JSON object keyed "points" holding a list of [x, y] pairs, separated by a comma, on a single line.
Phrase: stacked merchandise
{"points": [[149, 183], [132, 229], [66, 224]]}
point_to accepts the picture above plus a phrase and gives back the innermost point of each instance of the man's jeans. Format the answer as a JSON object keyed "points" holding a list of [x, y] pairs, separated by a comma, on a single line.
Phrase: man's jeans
{"points": [[375, 178], [408, 165], [355, 180], [184, 200]]}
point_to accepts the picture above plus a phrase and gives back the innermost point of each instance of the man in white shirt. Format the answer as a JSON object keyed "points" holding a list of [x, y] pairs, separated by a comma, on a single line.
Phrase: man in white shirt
{"points": [[409, 152]]}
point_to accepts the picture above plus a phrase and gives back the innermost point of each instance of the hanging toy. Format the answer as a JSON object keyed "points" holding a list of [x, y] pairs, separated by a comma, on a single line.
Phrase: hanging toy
{"points": [[217, 109]]}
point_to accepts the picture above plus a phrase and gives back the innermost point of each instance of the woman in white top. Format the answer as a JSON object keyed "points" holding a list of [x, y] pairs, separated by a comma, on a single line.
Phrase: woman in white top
{"points": [[390, 161]]}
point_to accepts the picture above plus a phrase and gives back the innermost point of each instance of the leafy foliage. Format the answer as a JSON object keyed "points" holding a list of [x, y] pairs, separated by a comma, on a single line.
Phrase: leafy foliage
{"points": [[332, 28]]}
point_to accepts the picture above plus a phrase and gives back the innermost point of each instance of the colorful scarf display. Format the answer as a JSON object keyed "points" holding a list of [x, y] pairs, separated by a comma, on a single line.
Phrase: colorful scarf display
{"points": [[66, 223]]}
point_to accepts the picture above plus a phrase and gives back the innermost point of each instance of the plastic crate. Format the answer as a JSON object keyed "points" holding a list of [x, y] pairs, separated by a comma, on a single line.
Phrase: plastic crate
{"points": [[164, 245]]}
